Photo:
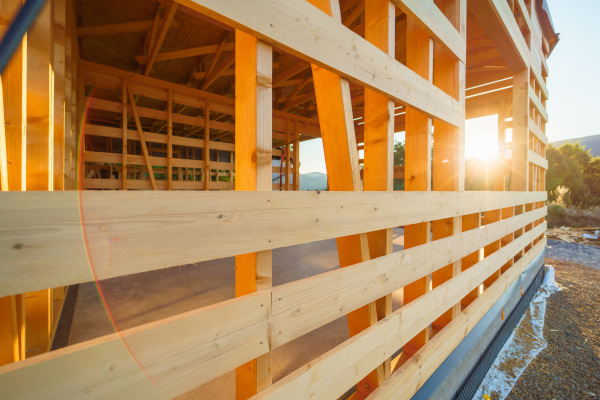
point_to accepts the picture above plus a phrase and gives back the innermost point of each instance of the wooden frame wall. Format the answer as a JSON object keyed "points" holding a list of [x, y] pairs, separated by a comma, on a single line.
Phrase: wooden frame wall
{"points": [[454, 268]]}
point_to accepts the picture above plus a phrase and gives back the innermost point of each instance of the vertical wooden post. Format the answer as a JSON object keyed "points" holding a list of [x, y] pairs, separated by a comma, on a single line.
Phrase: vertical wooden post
{"points": [[59, 9], [207, 174], [418, 128], [343, 174], [288, 155], [125, 140], [379, 136], [170, 139], [448, 153], [520, 131], [296, 145], [253, 142], [14, 84]]}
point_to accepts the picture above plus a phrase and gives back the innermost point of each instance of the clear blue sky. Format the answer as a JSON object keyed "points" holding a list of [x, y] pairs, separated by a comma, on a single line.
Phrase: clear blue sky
{"points": [[573, 84]]}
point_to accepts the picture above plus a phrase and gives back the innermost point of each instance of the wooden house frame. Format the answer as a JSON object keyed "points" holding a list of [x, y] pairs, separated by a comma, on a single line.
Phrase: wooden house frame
{"points": [[84, 132]]}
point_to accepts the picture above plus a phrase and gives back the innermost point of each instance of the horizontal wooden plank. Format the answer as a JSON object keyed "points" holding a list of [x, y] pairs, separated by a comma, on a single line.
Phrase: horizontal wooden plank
{"points": [[117, 107], [106, 131], [42, 240], [402, 384], [338, 49], [434, 22], [138, 184], [115, 29], [330, 375], [535, 129], [157, 360], [538, 104], [302, 306], [537, 159]]}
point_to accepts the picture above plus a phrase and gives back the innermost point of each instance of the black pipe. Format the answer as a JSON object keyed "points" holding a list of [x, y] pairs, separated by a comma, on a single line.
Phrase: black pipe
{"points": [[16, 31]]}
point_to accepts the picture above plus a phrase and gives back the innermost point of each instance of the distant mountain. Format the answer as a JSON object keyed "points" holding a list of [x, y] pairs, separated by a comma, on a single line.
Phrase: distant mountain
{"points": [[589, 142], [313, 181]]}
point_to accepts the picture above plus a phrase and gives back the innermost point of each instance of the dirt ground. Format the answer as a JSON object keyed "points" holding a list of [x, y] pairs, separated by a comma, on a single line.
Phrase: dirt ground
{"points": [[569, 368]]}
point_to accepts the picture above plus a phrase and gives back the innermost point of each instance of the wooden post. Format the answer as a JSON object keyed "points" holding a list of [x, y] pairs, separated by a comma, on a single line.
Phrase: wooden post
{"points": [[125, 140], [419, 58], [207, 175], [288, 154], [59, 36], [14, 85], [296, 145], [448, 151], [379, 137], [170, 139], [253, 141]]}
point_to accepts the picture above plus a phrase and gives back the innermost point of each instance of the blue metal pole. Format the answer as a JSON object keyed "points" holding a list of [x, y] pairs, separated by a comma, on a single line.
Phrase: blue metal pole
{"points": [[16, 31]]}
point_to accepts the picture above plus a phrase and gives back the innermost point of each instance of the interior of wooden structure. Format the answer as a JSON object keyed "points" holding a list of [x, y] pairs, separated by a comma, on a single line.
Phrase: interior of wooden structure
{"points": [[111, 97]]}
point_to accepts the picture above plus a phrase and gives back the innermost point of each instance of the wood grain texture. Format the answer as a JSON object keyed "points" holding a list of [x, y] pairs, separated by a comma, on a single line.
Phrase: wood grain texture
{"points": [[130, 232]]}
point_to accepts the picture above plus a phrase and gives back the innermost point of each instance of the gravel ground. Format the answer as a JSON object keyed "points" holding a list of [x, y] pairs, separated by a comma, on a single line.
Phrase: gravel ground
{"points": [[574, 252], [569, 368]]}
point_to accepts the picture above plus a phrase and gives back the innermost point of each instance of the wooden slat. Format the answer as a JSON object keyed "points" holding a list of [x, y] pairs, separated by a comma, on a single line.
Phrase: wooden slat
{"points": [[302, 306], [340, 50], [185, 53], [538, 104], [39, 229], [157, 360], [106, 131], [434, 22], [537, 159], [333, 373], [402, 384]]}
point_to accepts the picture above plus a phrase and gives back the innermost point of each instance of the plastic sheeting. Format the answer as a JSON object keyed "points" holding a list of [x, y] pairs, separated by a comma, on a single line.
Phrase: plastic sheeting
{"points": [[521, 347]]}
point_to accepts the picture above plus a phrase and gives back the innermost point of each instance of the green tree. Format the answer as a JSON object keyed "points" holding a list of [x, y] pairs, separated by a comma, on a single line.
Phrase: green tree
{"points": [[573, 167], [399, 162]]}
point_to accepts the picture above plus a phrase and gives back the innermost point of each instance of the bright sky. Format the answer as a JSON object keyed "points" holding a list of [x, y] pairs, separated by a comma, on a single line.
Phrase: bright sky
{"points": [[573, 86]]}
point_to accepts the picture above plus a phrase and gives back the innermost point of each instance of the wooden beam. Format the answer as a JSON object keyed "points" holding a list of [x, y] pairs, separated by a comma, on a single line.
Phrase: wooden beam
{"points": [[217, 55], [115, 29], [60, 115], [155, 45], [141, 134], [185, 53], [290, 73], [125, 138], [32, 265], [227, 62], [520, 131], [253, 148]]}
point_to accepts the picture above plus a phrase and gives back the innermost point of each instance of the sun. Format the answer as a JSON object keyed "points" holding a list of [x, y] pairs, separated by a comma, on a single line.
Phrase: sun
{"points": [[481, 137]]}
